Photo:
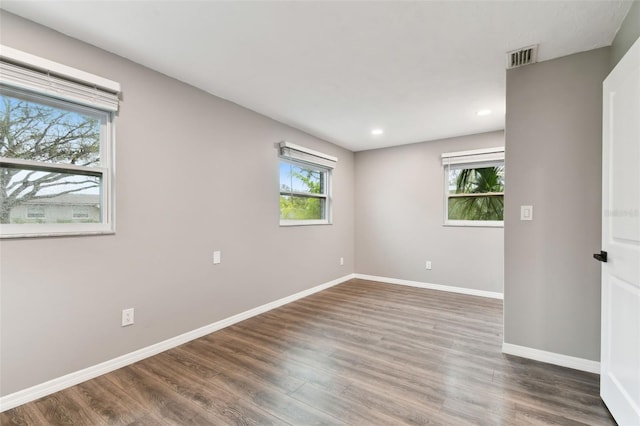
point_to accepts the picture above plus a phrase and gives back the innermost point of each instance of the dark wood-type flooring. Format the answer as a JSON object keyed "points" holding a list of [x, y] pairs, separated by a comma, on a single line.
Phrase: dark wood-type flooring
{"points": [[360, 353]]}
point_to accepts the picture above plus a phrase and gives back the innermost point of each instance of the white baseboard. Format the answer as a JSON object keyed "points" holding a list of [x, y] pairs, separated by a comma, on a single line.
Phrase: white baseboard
{"points": [[440, 287], [38, 391], [552, 358]]}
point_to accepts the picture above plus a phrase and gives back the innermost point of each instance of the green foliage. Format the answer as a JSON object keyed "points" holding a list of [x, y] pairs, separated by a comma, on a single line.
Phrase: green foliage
{"points": [[299, 207], [476, 207], [311, 179]]}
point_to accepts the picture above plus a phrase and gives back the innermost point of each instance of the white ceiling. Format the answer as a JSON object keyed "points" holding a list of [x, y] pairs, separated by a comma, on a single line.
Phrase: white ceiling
{"points": [[337, 69]]}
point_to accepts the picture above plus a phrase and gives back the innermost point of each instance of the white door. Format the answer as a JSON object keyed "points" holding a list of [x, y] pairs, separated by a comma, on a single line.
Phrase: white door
{"points": [[620, 356]]}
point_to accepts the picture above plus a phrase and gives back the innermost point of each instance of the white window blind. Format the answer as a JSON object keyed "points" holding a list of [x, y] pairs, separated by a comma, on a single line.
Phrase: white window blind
{"points": [[24, 71], [488, 155], [59, 155], [306, 155]]}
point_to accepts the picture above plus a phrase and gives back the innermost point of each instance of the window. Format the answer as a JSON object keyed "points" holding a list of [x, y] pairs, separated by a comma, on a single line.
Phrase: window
{"points": [[35, 212], [474, 187], [80, 212], [305, 182], [56, 144]]}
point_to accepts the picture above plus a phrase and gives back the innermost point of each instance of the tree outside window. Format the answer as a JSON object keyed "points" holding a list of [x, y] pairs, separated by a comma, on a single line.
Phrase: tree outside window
{"points": [[42, 137], [303, 193], [476, 194]]}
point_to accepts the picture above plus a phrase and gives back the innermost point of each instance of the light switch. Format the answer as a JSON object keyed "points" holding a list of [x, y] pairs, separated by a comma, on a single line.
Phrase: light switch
{"points": [[526, 212], [216, 257]]}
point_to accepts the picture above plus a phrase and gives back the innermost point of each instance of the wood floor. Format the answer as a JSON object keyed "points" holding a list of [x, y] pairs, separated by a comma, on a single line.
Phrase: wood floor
{"points": [[360, 353]]}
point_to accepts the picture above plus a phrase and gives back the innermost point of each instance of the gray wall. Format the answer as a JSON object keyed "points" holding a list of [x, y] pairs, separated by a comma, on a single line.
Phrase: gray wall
{"points": [[627, 34], [553, 151], [194, 174], [400, 210]]}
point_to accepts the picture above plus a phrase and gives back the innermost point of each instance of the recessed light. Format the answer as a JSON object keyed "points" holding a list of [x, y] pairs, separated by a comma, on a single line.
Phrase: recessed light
{"points": [[377, 132], [483, 112]]}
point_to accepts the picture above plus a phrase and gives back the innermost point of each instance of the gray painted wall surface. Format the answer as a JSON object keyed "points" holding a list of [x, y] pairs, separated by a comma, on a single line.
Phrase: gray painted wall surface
{"points": [[553, 152], [61, 298], [627, 34], [399, 226]]}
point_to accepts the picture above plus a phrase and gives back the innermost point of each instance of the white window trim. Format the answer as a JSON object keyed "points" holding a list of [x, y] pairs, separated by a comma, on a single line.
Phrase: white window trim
{"points": [[25, 72], [475, 223], [286, 223], [476, 157], [298, 155]]}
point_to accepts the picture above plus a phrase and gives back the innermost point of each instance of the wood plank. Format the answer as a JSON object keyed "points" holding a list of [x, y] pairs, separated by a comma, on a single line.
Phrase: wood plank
{"points": [[24, 415], [358, 353], [107, 404], [222, 407], [156, 397]]}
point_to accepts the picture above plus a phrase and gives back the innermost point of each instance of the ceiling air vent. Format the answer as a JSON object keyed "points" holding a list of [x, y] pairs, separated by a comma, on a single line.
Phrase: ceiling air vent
{"points": [[519, 57]]}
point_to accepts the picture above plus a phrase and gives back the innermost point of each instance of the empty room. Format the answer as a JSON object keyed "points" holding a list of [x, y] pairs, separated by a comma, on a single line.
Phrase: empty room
{"points": [[320, 212]]}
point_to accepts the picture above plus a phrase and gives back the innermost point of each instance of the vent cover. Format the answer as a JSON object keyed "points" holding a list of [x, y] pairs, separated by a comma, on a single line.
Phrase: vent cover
{"points": [[519, 57]]}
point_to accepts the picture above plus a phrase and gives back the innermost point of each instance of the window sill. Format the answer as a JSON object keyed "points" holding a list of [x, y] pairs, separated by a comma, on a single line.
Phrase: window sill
{"points": [[304, 222], [17, 232], [474, 224]]}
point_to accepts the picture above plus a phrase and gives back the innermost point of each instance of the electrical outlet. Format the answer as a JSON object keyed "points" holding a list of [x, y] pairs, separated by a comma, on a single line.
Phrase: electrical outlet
{"points": [[217, 257], [341, 261], [127, 317], [428, 265]]}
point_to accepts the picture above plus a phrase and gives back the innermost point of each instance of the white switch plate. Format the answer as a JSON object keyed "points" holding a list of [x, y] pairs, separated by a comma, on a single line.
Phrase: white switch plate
{"points": [[526, 212], [342, 261], [216, 257], [427, 264], [127, 317]]}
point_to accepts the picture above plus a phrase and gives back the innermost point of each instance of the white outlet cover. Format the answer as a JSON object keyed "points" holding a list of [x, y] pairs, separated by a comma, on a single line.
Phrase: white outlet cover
{"points": [[526, 212], [127, 316]]}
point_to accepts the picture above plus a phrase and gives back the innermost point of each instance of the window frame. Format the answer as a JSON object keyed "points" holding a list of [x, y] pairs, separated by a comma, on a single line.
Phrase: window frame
{"points": [[26, 77], [472, 159], [311, 160]]}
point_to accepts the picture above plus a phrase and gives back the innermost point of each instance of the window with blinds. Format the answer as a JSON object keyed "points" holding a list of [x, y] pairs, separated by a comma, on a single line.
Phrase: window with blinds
{"points": [[56, 148], [305, 183], [474, 187]]}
